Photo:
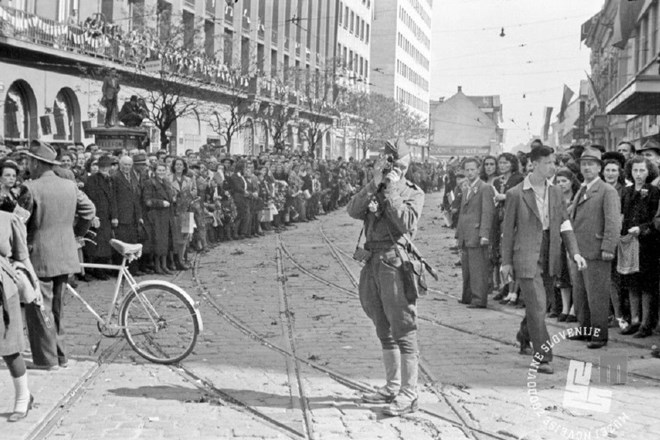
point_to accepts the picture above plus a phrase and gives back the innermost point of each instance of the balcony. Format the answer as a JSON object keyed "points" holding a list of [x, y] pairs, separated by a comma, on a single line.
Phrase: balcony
{"points": [[190, 4], [246, 24], [261, 32], [273, 37], [641, 96], [229, 15]]}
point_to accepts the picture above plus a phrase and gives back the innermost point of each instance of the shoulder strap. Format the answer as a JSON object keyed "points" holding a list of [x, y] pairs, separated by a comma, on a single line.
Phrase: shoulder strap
{"points": [[357, 245]]}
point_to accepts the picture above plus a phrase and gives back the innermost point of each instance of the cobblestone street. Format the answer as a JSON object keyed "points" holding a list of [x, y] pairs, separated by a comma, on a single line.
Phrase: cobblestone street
{"points": [[286, 350]]}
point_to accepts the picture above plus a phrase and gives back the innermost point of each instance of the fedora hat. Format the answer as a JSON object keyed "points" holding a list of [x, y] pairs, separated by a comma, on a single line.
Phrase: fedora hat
{"points": [[140, 159], [105, 162], [590, 153], [650, 144], [42, 151]]}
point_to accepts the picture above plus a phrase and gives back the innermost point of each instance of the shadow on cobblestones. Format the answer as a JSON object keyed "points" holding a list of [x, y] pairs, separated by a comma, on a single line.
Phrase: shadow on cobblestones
{"points": [[160, 392]]}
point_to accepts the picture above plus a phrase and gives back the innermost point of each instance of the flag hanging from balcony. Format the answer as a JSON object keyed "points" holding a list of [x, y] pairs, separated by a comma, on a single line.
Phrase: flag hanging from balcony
{"points": [[565, 100], [625, 20]]}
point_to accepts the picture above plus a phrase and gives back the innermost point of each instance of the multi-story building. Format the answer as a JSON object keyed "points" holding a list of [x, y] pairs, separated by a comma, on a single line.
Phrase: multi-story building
{"points": [[265, 52], [465, 126], [353, 43], [625, 41], [401, 52]]}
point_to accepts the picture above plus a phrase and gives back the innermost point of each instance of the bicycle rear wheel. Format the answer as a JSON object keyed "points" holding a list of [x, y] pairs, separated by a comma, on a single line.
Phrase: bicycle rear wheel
{"points": [[159, 324]]}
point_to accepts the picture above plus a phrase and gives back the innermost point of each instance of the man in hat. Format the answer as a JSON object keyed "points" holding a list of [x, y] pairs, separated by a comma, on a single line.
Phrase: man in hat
{"points": [[390, 207], [596, 221], [651, 150], [110, 91], [54, 204]]}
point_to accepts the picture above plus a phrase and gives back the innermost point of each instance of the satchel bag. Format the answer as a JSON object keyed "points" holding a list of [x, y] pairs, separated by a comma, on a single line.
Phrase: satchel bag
{"points": [[361, 255], [412, 271]]}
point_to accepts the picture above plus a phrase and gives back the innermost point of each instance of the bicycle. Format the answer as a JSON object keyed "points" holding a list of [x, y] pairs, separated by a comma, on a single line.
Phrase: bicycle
{"points": [[153, 315]]}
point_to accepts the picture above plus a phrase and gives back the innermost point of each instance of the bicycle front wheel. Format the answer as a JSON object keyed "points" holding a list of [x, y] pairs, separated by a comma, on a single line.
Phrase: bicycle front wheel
{"points": [[160, 324]]}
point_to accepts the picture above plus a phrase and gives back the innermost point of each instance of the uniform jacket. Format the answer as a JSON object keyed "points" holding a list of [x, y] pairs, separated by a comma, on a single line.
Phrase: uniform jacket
{"points": [[596, 220], [475, 220], [400, 207], [127, 198], [54, 204], [522, 231]]}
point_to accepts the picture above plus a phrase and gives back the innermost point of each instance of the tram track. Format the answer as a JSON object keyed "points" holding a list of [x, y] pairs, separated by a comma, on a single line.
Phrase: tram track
{"points": [[335, 251], [336, 376]]}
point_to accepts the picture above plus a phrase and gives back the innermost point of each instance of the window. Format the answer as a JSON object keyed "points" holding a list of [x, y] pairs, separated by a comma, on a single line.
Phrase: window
{"points": [[366, 35], [346, 18], [350, 60], [341, 8], [352, 21]]}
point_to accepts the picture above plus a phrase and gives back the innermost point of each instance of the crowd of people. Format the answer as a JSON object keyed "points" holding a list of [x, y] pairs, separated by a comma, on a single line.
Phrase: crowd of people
{"points": [[617, 227], [172, 204]]}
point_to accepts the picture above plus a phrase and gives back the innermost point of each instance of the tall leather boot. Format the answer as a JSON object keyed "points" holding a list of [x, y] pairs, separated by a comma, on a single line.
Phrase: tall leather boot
{"points": [[386, 394], [406, 401]]}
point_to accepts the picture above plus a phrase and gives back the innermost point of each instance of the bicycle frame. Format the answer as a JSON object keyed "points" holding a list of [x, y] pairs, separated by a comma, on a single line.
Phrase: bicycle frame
{"points": [[123, 274]]}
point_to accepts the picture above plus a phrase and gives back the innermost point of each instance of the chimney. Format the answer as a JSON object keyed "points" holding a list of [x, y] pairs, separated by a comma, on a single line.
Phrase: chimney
{"points": [[460, 89]]}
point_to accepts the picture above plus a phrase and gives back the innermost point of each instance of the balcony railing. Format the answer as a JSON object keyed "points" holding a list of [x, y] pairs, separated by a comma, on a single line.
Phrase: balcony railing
{"points": [[189, 4], [106, 41]]}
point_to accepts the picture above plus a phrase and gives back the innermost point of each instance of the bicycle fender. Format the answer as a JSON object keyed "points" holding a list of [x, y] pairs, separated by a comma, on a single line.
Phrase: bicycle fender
{"points": [[185, 294]]}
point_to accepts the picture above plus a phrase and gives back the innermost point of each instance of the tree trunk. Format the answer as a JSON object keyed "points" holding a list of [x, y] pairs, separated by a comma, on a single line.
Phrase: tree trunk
{"points": [[164, 142], [228, 146]]}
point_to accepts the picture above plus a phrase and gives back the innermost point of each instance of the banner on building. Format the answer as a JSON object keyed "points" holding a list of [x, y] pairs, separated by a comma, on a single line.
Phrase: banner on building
{"points": [[565, 100], [547, 115]]}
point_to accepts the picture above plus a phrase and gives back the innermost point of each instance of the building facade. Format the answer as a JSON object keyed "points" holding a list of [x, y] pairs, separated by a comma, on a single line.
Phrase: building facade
{"points": [[268, 53], [459, 127], [625, 41], [401, 52]]}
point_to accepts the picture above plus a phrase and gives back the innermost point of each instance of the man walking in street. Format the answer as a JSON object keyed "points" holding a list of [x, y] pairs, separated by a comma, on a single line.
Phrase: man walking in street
{"points": [[535, 223], [597, 224], [473, 233], [390, 207], [53, 203]]}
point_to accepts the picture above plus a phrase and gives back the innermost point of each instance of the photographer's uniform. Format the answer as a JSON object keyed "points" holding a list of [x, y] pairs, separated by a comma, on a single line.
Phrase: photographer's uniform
{"points": [[395, 210]]}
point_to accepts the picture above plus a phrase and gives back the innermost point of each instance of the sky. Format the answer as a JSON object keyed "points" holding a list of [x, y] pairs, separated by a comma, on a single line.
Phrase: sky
{"points": [[528, 67]]}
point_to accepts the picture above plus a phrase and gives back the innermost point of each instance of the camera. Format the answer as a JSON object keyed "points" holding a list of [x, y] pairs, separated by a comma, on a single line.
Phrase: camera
{"points": [[361, 255]]}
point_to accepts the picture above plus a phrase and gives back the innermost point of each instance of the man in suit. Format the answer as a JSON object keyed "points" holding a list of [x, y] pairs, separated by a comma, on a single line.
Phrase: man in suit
{"points": [[597, 224], [238, 187], [54, 204], [535, 222], [473, 233], [127, 194]]}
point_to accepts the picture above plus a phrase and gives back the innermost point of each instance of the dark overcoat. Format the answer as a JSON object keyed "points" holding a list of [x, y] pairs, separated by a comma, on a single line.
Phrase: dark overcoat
{"points": [[100, 192]]}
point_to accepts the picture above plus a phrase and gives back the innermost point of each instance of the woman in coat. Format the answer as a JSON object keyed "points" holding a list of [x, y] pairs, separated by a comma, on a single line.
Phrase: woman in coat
{"points": [[100, 192], [13, 244], [639, 204], [185, 192], [158, 199], [508, 167]]}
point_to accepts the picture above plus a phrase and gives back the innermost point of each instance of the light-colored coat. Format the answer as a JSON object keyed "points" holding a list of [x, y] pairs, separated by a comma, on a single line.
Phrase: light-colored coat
{"points": [[596, 220], [522, 231], [475, 219], [54, 204]]}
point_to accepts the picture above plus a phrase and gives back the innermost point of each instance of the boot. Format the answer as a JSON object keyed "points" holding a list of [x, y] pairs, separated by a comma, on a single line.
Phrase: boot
{"points": [[386, 394], [163, 265], [406, 401]]}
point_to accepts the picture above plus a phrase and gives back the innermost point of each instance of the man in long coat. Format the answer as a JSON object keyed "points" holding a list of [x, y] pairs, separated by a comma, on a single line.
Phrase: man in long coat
{"points": [[99, 190], [54, 204], [128, 200]]}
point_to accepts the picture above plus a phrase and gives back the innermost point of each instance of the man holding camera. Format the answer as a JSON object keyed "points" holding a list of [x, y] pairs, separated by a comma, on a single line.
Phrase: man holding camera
{"points": [[390, 207]]}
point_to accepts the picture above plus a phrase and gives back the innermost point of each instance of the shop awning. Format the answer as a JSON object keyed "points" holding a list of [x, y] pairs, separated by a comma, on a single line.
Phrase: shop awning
{"points": [[641, 96]]}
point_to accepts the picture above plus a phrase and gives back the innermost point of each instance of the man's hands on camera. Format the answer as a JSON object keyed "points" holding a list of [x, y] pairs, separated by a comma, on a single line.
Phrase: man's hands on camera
{"points": [[381, 175]]}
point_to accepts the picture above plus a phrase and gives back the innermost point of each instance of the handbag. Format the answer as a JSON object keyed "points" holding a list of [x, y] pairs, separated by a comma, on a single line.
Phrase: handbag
{"points": [[360, 254]]}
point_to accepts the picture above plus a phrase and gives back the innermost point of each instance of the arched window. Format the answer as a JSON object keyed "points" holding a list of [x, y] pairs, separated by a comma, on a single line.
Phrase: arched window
{"points": [[20, 113]]}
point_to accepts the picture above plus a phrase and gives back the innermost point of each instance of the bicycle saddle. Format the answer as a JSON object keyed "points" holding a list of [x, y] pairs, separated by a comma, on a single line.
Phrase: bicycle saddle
{"points": [[126, 249]]}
